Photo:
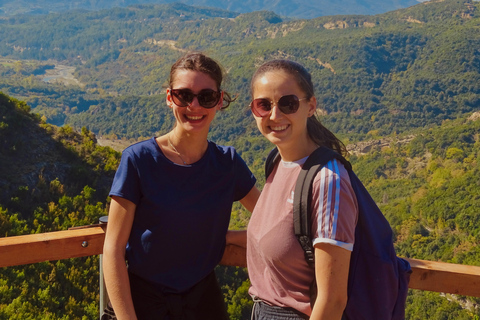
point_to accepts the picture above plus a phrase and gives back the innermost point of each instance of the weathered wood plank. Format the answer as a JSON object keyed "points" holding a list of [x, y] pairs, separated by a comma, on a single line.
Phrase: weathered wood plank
{"points": [[234, 256], [49, 246], [445, 277], [426, 275]]}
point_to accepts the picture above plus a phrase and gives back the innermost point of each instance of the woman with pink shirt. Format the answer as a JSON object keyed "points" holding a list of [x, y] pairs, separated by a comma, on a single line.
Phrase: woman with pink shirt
{"points": [[284, 107]]}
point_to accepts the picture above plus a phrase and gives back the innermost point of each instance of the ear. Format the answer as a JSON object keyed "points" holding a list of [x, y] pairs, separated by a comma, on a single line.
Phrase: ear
{"points": [[168, 98], [220, 102], [312, 106]]}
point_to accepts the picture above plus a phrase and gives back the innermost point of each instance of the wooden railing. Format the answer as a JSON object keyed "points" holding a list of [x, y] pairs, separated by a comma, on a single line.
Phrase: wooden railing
{"points": [[88, 241], [426, 275], [33, 248]]}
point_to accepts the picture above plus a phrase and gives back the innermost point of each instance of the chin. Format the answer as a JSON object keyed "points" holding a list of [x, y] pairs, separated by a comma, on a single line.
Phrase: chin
{"points": [[276, 141]]}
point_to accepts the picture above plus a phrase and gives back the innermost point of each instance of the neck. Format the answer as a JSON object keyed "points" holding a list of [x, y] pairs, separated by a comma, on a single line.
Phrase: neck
{"points": [[190, 147], [297, 151]]}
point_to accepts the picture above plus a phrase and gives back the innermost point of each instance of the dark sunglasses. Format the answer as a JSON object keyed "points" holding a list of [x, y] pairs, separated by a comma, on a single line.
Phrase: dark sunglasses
{"points": [[207, 98], [287, 104]]}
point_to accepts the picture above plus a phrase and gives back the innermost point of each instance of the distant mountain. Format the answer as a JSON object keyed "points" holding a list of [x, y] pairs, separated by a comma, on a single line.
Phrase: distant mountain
{"points": [[426, 185], [375, 75], [411, 74], [297, 8]]}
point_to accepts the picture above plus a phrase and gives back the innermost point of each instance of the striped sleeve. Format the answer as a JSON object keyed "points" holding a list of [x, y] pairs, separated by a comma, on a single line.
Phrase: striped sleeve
{"points": [[335, 207]]}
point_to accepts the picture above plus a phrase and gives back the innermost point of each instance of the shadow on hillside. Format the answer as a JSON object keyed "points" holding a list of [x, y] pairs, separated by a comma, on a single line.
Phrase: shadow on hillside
{"points": [[33, 155]]}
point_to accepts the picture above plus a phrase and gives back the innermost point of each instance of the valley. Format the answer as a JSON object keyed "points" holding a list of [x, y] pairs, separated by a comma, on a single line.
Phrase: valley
{"points": [[61, 74], [400, 88]]}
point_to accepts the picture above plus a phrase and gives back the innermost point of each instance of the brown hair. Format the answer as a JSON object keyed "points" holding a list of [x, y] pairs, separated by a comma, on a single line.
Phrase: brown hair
{"points": [[316, 130], [197, 61]]}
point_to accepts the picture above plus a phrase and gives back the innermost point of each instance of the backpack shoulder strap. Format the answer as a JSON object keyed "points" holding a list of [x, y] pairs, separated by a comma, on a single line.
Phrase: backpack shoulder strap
{"points": [[303, 196], [272, 159]]}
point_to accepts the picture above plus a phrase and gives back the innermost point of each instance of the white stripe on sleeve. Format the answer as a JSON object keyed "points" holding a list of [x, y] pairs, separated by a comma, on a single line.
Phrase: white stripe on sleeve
{"points": [[328, 202]]}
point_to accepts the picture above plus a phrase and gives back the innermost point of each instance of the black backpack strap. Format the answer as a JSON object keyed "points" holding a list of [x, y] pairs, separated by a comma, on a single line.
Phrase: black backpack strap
{"points": [[303, 195], [272, 159]]}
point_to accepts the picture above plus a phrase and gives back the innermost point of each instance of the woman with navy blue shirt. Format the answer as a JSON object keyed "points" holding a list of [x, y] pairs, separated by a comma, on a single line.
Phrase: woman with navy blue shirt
{"points": [[171, 201]]}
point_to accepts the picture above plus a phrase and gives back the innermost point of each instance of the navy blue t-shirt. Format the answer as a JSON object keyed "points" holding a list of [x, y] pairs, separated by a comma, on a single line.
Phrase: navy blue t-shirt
{"points": [[182, 213]]}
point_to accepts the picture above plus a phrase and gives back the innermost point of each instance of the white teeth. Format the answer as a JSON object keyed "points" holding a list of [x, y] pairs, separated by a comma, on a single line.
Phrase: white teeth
{"points": [[279, 128], [194, 117]]}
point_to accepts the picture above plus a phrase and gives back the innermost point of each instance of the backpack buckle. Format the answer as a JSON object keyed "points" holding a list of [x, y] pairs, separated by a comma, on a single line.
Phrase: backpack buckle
{"points": [[307, 247]]}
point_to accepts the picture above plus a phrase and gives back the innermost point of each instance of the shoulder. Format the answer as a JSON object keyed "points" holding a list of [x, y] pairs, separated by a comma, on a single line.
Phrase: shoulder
{"points": [[140, 148], [333, 183], [333, 180], [334, 170], [223, 153], [227, 158], [224, 150]]}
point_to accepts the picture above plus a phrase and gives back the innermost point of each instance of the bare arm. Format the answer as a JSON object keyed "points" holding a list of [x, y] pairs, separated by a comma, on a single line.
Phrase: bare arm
{"points": [[120, 220], [250, 200], [331, 272], [239, 237]]}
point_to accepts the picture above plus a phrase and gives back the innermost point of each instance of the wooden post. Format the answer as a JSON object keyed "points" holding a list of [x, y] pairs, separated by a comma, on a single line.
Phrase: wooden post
{"points": [[103, 290]]}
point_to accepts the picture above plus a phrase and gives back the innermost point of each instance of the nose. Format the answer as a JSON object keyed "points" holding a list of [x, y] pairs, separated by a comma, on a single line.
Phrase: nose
{"points": [[195, 103], [275, 113]]}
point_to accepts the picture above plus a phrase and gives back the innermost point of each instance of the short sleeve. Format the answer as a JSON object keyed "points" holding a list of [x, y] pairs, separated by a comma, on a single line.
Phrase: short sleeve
{"points": [[244, 177], [126, 183], [335, 211]]}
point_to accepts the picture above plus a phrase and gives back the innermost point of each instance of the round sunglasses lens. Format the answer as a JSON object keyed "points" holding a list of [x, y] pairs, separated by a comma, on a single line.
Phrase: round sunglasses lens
{"points": [[288, 104], [261, 107], [182, 98], [208, 98]]}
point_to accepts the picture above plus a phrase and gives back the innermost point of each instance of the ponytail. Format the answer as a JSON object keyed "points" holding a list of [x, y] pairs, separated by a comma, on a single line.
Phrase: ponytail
{"points": [[324, 137]]}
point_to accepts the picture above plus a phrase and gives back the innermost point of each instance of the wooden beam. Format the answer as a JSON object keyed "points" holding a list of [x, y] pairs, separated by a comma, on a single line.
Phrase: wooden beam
{"points": [[33, 248], [88, 241], [234, 256], [445, 277], [426, 275]]}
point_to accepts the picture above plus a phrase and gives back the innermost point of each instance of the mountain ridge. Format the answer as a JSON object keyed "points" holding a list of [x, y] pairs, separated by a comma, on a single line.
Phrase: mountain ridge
{"points": [[297, 9], [426, 186], [404, 83], [374, 75]]}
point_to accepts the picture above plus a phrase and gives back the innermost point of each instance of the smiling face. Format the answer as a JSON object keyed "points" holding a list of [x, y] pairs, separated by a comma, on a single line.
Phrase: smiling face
{"points": [[193, 118], [287, 131]]}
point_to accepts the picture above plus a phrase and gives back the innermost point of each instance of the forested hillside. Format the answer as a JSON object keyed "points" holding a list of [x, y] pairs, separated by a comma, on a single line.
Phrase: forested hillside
{"points": [[50, 179], [427, 186], [375, 75], [402, 89], [430, 192], [299, 8]]}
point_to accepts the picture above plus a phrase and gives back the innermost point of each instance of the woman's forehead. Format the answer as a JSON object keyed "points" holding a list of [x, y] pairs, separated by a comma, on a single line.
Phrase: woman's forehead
{"points": [[188, 78], [275, 81]]}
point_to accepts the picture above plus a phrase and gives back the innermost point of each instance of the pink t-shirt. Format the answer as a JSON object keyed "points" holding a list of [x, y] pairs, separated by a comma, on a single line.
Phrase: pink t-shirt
{"points": [[276, 263]]}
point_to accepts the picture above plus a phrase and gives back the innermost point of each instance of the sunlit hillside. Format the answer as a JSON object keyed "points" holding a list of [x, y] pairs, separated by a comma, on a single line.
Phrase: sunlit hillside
{"points": [[402, 90]]}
